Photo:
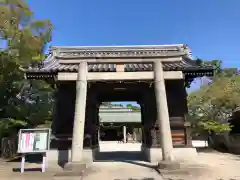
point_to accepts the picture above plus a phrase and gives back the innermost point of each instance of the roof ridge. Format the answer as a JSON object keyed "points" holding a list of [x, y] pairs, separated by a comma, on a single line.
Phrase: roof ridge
{"points": [[117, 46]]}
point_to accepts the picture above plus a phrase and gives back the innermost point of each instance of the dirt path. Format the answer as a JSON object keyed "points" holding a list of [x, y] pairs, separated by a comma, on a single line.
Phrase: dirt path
{"points": [[122, 171], [207, 166], [224, 165]]}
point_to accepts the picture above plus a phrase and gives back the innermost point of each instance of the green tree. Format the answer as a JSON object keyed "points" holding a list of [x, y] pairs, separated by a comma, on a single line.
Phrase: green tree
{"points": [[129, 106], [212, 104], [134, 108], [22, 103], [26, 37]]}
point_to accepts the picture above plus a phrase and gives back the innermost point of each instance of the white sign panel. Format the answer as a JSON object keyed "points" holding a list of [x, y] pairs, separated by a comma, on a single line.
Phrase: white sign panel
{"points": [[33, 140]]}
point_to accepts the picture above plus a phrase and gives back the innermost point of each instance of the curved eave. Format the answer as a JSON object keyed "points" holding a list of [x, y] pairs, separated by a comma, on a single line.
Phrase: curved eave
{"points": [[40, 75], [188, 71], [198, 71]]}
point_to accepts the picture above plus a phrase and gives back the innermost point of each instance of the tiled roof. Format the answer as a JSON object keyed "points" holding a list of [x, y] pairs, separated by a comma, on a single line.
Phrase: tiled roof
{"points": [[122, 51], [52, 65]]}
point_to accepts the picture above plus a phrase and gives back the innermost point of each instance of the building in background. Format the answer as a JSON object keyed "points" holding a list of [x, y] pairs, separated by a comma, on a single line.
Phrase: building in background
{"points": [[118, 123]]}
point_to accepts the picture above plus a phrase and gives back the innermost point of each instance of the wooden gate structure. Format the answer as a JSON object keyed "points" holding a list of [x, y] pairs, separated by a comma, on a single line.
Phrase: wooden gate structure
{"points": [[154, 76]]}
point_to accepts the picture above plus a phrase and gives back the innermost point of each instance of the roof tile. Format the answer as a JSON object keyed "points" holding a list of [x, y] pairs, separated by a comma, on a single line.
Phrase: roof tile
{"points": [[52, 65]]}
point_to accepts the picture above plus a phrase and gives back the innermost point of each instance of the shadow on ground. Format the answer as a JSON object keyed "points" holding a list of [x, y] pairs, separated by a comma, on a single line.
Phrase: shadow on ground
{"points": [[212, 150], [119, 156], [27, 169], [138, 179], [142, 164], [29, 158], [137, 158], [131, 157], [205, 149], [180, 174], [92, 170]]}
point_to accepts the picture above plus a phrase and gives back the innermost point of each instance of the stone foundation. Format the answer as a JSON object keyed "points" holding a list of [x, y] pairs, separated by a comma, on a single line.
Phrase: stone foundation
{"points": [[64, 156], [180, 154]]}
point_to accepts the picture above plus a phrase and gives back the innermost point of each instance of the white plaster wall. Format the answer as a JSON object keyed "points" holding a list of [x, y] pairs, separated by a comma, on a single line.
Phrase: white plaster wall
{"points": [[108, 146]]}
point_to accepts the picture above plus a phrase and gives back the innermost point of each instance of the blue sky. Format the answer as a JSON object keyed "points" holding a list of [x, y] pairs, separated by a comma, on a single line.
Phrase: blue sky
{"points": [[210, 28]]}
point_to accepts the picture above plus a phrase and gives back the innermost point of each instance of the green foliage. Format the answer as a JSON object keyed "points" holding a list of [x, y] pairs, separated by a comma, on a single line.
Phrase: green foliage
{"points": [[134, 108], [211, 105], [14, 125], [22, 103], [212, 125], [47, 124], [26, 37]]}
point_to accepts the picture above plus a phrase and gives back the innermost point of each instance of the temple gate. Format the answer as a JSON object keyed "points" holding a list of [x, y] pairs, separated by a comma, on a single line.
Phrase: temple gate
{"points": [[154, 76]]}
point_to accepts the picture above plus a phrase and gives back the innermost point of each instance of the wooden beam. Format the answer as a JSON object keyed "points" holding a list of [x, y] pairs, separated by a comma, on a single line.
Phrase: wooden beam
{"points": [[119, 61], [120, 67], [112, 76]]}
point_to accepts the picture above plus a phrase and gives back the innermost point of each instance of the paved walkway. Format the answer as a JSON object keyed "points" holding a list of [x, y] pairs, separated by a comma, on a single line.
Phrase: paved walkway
{"points": [[136, 170], [206, 166], [119, 161], [98, 170]]}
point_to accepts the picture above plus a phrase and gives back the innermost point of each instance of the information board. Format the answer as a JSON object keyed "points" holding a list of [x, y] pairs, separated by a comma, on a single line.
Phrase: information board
{"points": [[33, 140]]}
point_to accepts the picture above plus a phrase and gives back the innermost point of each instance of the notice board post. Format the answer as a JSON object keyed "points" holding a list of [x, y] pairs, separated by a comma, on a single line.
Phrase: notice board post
{"points": [[34, 141]]}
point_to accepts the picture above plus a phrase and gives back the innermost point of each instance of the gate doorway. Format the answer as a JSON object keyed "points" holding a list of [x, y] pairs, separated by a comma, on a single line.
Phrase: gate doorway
{"points": [[114, 151], [120, 125], [120, 131], [120, 122]]}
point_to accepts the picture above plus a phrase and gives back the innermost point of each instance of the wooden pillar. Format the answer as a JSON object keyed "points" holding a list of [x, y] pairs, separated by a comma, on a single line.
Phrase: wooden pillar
{"points": [[187, 124], [79, 116], [147, 121], [124, 134], [162, 112], [54, 114], [99, 135], [94, 122], [142, 124], [188, 137], [154, 128], [97, 122]]}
